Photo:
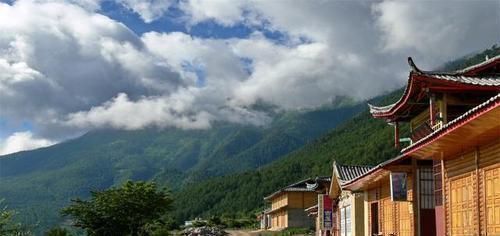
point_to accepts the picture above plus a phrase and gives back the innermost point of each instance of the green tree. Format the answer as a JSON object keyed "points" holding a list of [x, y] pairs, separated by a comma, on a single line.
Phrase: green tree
{"points": [[126, 210], [7, 225], [58, 232]]}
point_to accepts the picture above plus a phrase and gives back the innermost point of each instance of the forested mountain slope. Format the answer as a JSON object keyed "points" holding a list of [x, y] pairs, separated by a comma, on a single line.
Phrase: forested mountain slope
{"points": [[40, 182], [363, 140]]}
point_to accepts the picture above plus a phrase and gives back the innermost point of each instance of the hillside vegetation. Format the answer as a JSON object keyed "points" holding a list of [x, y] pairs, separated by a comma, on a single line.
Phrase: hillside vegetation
{"points": [[40, 182], [225, 170], [363, 140]]}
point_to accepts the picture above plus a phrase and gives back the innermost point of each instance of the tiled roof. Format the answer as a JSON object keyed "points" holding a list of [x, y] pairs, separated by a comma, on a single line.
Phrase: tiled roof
{"points": [[470, 68], [483, 81], [347, 173], [491, 101], [376, 109], [459, 76], [307, 185]]}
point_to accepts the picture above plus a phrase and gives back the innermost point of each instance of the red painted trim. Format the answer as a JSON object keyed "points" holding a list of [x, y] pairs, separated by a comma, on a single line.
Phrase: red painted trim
{"points": [[400, 102], [420, 81], [481, 68]]}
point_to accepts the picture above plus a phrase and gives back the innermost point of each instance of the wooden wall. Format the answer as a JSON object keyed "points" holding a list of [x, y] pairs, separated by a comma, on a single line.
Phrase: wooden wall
{"points": [[472, 192], [394, 217], [279, 220], [279, 201], [290, 200], [302, 200]]}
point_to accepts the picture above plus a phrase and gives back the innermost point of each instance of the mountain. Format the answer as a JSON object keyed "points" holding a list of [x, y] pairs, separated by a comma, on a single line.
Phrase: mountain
{"points": [[40, 182], [227, 169], [362, 140]]}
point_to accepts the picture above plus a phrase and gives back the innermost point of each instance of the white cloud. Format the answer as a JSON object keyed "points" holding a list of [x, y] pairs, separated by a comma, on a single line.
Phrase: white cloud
{"points": [[439, 29], [148, 10], [21, 141], [224, 12], [67, 68], [122, 113]]}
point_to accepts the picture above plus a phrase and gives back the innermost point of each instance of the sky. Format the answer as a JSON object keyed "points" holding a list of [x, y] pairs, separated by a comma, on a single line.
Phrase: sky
{"points": [[70, 66]]}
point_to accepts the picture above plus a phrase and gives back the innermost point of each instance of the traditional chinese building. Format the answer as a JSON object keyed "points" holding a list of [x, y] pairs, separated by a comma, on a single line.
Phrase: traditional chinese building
{"points": [[289, 203], [348, 206], [451, 164], [387, 213]]}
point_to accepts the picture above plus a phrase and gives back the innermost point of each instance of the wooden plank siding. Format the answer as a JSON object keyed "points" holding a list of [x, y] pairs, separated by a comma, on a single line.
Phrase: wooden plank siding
{"points": [[284, 205], [395, 218], [489, 173], [302, 200], [472, 192]]}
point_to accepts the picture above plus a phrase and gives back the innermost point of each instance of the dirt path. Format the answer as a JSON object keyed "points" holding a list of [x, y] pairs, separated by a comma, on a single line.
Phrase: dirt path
{"points": [[241, 233]]}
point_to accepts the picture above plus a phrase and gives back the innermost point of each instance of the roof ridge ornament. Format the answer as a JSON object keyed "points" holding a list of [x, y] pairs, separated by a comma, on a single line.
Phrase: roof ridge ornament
{"points": [[414, 67]]}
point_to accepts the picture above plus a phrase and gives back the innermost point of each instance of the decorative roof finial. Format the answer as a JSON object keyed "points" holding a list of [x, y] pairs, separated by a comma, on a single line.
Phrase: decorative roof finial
{"points": [[414, 68]]}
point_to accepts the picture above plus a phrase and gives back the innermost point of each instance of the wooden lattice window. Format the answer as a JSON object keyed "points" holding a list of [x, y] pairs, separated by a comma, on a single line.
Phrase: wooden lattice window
{"points": [[462, 206], [426, 181], [492, 194]]}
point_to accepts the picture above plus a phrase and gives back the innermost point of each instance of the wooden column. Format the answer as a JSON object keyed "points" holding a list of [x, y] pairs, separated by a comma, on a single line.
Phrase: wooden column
{"points": [[444, 109], [478, 201], [431, 110], [415, 198], [444, 200]]}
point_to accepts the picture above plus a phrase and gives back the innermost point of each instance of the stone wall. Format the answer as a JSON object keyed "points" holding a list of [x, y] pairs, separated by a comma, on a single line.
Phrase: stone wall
{"points": [[299, 218]]}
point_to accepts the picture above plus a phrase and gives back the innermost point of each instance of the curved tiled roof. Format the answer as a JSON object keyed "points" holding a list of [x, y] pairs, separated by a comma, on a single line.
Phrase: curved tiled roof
{"points": [[346, 173], [307, 185], [458, 77]]}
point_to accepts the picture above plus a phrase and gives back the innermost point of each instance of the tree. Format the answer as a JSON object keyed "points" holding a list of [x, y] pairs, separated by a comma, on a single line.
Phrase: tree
{"points": [[58, 232], [126, 210], [7, 225]]}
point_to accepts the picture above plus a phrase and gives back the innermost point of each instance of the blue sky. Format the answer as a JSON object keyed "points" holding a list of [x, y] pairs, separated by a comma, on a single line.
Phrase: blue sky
{"points": [[72, 66]]}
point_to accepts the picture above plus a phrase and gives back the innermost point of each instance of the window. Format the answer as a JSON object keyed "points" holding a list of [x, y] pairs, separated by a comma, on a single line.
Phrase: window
{"points": [[426, 188], [345, 221]]}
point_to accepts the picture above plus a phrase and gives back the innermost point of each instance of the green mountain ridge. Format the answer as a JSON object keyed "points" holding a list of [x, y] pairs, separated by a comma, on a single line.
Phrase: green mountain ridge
{"points": [[40, 182], [225, 170], [362, 140]]}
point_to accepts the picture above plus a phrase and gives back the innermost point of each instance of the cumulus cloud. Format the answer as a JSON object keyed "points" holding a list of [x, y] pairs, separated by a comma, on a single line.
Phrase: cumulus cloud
{"points": [[148, 10], [122, 113], [20, 141], [438, 29], [60, 58], [67, 68], [224, 12]]}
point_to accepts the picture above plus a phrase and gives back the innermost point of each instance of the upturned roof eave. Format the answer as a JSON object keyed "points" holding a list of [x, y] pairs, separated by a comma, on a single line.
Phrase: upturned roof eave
{"points": [[393, 111]]}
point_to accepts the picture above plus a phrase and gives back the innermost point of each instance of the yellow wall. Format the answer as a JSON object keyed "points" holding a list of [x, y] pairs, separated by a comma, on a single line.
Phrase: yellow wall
{"points": [[279, 201], [394, 217], [472, 191], [357, 203], [279, 220], [302, 200], [287, 200]]}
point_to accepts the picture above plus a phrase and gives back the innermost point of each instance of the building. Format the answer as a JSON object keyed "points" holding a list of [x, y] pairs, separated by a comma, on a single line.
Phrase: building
{"points": [[348, 206], [450, 168], [386, 213], [288, 204]]}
